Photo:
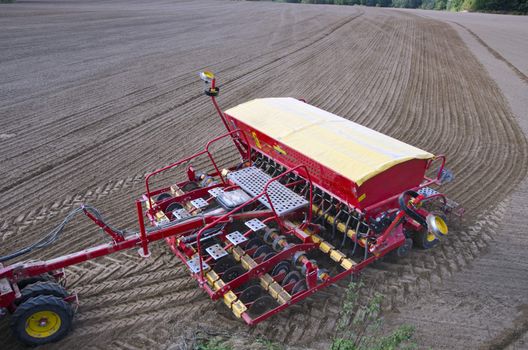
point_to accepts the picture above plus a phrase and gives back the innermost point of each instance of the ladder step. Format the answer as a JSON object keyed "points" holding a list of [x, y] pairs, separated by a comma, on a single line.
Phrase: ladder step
{"points": [[216, 251], [236, 238], [255, 225], [194, 264], [199, 203]]}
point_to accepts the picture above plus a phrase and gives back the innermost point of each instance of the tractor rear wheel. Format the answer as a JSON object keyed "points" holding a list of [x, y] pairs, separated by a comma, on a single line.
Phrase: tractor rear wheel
{"points": [[41, 320]]}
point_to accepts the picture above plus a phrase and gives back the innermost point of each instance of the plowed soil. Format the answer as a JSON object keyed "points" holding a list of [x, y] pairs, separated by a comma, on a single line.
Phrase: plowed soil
{"points": [[94, 95]]}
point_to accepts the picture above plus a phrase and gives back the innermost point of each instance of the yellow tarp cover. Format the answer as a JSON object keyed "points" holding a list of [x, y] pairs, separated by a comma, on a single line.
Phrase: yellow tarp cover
{"points": [[348, 148]]}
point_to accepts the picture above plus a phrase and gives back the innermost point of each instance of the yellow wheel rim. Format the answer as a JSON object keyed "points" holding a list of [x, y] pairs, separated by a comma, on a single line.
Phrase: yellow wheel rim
{"points": [[430, 237], [43, 324], [442, 226]]}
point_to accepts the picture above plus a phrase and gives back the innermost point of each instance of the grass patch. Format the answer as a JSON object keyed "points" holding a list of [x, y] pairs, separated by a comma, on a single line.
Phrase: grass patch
{"points": [[212, 344], [359, 326]]}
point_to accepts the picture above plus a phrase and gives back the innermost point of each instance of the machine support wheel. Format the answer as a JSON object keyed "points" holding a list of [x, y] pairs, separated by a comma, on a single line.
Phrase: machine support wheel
{"points": [[41, 320], [45, 277], [41, 288], [425, 240]]}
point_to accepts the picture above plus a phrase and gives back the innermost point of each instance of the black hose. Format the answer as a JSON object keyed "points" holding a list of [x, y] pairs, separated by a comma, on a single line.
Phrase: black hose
{"points": [[54, 234], [410, 212]]}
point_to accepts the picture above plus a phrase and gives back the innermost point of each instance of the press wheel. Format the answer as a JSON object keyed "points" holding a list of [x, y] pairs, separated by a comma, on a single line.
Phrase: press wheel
{"points": [[250, 294], [232, 273], [261, 305]]}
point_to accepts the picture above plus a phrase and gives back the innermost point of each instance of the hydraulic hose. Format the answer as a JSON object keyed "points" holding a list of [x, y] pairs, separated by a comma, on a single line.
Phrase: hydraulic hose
{"points": [[409, 211]]}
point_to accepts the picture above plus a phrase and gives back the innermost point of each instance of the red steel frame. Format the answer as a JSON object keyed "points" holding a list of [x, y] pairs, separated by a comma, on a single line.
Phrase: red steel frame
{"points": [[391, 239]]}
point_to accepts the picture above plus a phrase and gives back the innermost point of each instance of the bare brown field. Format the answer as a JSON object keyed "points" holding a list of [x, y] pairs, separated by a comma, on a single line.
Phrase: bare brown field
{"points": [[93, 95]]}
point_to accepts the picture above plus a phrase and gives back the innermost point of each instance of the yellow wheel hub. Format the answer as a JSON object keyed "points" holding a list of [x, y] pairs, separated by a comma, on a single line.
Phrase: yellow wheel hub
{"points": [[430, 237], [441, 225], [43, 324]]}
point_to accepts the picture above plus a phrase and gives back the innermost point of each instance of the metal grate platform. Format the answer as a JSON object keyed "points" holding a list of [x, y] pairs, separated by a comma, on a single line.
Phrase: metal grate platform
{"points": [[252, 180], [428, 192]]}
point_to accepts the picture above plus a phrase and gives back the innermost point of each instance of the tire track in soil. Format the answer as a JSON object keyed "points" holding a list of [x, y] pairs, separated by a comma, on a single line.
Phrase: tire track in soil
{"points": [[495, 53], [229, 80], [399, 282]]}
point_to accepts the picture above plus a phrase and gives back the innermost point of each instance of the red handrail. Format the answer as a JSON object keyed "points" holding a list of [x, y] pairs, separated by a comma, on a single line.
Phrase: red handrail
{"points": [[206, 150]]}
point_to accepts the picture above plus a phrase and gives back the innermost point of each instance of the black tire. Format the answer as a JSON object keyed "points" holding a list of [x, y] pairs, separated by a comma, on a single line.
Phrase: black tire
{"points": [[41, 288], [269, 256], [190, 186], [250, 294], [232, 273], [262, 251], [299, 287], [27, 328], [173, 206], [46, 277], [262, 305], [292, 276], [425, 240], [162, 197], [224, 263], [282, 267], [254, 243]]}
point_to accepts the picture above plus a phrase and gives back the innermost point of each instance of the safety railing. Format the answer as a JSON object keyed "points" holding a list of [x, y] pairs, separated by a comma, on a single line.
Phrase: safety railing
{"points": [[205, 151]]}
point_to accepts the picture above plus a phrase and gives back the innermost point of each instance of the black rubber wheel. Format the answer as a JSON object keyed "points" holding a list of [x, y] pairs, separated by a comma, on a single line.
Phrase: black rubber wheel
{"points": [[41, 288], [250, 294], [269, 256], [262, 251], [282, 267], [299, 287], [173, 206], [41, 320], [254, 243], [403, 250], [425, 240], [292, 276], [206, 244], [261, 305], [162, 197], [232, 273], [224, 263], [46, 277], [190, 186]]}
